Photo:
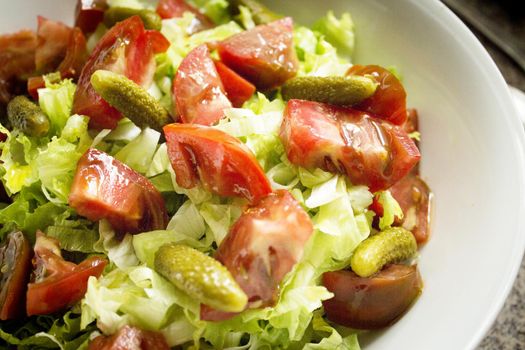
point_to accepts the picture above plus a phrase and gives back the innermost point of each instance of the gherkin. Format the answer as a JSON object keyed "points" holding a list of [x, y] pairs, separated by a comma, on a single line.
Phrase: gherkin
{"points": [[27, 117], [260, 13], [114, 15]]}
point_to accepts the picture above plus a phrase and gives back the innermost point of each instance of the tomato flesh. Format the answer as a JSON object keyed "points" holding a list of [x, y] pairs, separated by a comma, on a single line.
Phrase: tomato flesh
{"points": [[176, 8], [58, 284], [128, 49], [104, 188], [264, 55], [238, 90], [197, 89], [374, 302], [369, 150], [262, 246], [222, 163], [130, 338], [15, 259], [89, 13], [389, 100]]}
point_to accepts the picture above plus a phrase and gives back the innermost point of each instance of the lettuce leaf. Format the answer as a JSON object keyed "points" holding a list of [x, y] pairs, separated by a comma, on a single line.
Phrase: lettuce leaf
{"points": [[56, 100], [338, 32]]}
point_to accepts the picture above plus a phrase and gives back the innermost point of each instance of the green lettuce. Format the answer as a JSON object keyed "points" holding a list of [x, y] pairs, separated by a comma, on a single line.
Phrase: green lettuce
{"points": [[56, 100], [338, 32], [391, 210]]}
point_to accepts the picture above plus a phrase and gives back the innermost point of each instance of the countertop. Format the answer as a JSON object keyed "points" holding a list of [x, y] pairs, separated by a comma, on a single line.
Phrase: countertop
{"points": [[507, 17]]}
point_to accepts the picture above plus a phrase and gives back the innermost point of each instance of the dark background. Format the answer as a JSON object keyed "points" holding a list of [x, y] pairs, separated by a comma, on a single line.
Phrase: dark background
{"points": [[500, 26]]}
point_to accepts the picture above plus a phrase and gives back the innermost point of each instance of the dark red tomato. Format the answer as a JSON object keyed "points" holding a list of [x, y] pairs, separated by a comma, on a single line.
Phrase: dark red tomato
{"points": [[389, 100], [197, 89], [176, 8], [222, 163], [52, 41], [264, 55], [128, 49], [370, 151], [17, 62], [58, 284], [262, 246], [130, 338], [89, 13], [15, 259], [374, 302], [104, 188], [238, 89]]}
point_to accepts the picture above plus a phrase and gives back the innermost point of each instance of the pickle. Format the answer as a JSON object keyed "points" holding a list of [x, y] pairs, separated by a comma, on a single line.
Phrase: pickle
{"points": [[114, 15], [342, 91], [387, 247], [130, 99], [201, 277], [260, 13], [27, 117]]}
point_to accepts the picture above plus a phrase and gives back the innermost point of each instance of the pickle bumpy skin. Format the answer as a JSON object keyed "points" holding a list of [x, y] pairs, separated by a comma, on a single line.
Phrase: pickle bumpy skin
{"points": [[27, 117], [130, 99], [387, 247], [113, 15], [343, 91], [260, 13], [201, 277]]}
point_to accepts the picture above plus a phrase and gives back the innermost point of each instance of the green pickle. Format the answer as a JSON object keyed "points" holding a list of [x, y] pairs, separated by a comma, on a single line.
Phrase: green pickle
{"points": [[201, 277], [114, 15], [27, 117], [343, 91], [260, 13], [130, 99], [390, 246]]}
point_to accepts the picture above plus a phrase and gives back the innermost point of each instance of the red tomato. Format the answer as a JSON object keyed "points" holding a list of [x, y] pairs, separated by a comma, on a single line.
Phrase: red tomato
{"points": [[17, 62], [52, 41], [238, 89], [176, 8], [58, 284], [130, 338], [264, 245], [264, 55], [370, 151], [374, 302], [89, 13], [128, 49], [198, 92], [15, 259], [223, 164], [389, 100], [104, 188]]}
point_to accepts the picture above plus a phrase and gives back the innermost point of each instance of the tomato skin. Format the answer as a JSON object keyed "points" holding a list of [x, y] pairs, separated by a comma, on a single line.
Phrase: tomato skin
{"points": [[15, 259], [128, 49], [389, 100], [197, 89], [262, 246], [58, 284], [130, 338], [264, 55], [370, 151], [89, 13], [374, 302], [221, 162], [103, 187], [176, 8], [238, 90]]}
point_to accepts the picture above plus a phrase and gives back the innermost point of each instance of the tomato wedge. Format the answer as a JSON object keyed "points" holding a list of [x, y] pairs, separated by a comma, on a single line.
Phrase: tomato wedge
{"points": [[370, 151], [58, 284], [128, 49], [373, 302], [238, 89], [15, 259], [264, 55], [197, 89], [176, 8], [389, 100], [222, 163], [262, 246], [130, 338], [104, 188], [89, 13]]}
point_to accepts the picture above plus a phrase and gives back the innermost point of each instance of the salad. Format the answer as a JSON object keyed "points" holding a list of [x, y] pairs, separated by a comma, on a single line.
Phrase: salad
{"points": [[203, 175]]}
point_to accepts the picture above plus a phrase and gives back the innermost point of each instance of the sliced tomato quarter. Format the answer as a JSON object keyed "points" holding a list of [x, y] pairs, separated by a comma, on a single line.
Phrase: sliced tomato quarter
{"points": [[89, 14], [176, 8], [130, 338], [238, 89]]}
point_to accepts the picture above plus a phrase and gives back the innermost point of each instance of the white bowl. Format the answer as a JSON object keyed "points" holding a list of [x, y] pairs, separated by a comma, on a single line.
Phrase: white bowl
{"points": [[473, 158]]}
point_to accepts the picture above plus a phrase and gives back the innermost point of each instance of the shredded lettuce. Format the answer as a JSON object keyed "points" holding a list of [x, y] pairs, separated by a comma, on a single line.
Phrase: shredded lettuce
{"points": [[338, 32], [139, 153], [391, 210], [56, 100]]}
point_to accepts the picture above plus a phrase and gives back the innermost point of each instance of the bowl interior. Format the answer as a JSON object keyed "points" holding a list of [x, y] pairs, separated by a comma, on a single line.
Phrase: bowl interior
{"points": [[472, 145]]}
